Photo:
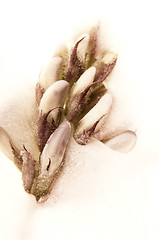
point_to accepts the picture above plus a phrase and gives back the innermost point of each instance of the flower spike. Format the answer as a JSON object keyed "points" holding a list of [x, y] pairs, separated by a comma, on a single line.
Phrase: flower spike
{"points": [[70, 101]]}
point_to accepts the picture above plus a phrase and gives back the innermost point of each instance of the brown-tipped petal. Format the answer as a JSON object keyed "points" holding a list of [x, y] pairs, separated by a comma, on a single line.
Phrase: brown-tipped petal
{"points": [[45, 129], [124, 142], [105, 67], [53, 152], [50, 72], [83, 138], [28, 170], [76, 65], [95, 114], [5, 144], [109, 58], [54, 97]]}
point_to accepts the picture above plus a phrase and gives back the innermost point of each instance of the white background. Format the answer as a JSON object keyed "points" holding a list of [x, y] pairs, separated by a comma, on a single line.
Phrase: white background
{"points": [[103, 195]]}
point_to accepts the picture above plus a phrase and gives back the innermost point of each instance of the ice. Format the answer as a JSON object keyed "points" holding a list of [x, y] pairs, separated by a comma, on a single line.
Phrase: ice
{"points": [[101, 194]]}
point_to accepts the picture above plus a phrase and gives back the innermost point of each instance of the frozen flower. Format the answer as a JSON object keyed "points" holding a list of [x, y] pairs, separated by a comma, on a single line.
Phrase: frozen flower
{"points": [[70, 101]]}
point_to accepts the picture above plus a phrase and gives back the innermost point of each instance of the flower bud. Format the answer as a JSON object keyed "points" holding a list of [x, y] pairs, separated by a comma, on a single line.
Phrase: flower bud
{"points": [[79, 90], [105, 67], [54, 97], [123, 142], [53, 152], [9, 149], [76, 64], [89, 123], [84, 81], [51, 160], [50, 72], [82, 47]]}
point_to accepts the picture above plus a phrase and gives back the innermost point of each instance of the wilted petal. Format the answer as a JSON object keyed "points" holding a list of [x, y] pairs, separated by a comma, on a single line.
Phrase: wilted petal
{"points": [[90, 121], [54, 97], [50, 72], [124, 142]]}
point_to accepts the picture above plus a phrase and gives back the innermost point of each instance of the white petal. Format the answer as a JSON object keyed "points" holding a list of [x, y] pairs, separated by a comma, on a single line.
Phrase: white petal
{"points": [[54, 97], [123, 142], [84, 81], [82, 47], [98, 111], [53, 152], [50, 72]]}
